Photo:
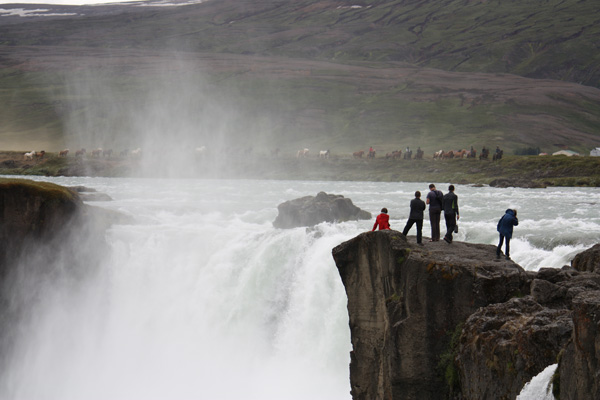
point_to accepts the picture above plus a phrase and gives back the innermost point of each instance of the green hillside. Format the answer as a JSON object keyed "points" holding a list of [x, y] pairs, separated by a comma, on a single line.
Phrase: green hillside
{"points": [[294, 74]]}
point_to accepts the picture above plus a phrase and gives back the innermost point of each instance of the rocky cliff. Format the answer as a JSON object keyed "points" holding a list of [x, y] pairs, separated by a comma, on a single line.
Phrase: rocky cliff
{"points": [[32, 212], [47, 234], [41, 214], [449, 321]]}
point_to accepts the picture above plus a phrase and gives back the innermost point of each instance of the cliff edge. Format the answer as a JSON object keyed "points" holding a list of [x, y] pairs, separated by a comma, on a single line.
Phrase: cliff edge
{"points": [[451, 322], [31, 212]]}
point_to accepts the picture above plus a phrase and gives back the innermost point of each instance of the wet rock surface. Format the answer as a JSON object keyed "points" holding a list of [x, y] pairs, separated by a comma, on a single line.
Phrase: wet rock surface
{"points": [[588, 260], [312, 210]]}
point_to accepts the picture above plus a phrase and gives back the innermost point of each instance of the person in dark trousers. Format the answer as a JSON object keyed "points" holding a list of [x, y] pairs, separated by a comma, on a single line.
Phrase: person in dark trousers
{"points": [[417, 206], [450, 204], [505, 227], [434, 199], [383, 220]]}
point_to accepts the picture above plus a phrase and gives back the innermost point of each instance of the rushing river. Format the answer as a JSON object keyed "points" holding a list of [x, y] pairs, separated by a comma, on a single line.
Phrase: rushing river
{"points": [[201, 298]]}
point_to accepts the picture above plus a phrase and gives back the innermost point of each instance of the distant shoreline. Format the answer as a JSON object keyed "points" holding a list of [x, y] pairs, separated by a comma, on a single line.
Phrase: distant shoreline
{"points": [[511, 171]]}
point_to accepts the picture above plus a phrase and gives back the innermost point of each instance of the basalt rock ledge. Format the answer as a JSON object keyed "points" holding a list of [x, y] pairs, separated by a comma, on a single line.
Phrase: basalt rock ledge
{"points": [[451, 322]]}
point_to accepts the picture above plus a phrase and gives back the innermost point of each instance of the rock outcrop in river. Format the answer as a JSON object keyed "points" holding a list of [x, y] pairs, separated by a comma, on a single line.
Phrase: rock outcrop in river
{"points": [[311, 210], [449, 321]]}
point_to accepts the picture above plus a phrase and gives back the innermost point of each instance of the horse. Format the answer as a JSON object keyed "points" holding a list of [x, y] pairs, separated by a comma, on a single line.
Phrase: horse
{"points": [[460, 154], [394, 154], [484, 154], [419, 155], [96, 153], [408, 155], [124, 153], [448, 154], [40, 154], [29, 156], [107, 153], [438, 154], [472, 154], [80, 153], [371, 154], [63, 153], [324, 153], [358, 154], [302, 153], [497, 155], [137, 152]]}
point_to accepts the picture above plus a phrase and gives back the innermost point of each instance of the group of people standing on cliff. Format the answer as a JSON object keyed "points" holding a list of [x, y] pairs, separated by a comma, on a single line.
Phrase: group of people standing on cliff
{"points": [[448, 204]]}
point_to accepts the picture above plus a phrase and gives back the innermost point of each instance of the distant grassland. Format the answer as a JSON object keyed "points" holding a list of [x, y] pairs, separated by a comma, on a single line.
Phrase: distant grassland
{"points": [[300, 105], [520, 171]]}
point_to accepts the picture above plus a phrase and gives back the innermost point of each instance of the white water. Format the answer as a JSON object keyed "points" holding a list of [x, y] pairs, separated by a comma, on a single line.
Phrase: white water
{"points": [[201, 298], [540, 387]]}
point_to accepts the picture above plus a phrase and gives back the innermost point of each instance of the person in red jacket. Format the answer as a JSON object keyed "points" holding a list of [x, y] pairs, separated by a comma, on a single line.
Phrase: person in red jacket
{"points": [[383, 220]]}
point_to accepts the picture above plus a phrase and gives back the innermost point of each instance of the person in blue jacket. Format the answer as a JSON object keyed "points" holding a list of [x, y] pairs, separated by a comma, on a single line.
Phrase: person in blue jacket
{"points": [[505, 227]]}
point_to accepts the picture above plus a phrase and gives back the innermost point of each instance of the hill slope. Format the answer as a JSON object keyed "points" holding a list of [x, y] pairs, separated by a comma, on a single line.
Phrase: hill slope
{"points": [[294, 74]]}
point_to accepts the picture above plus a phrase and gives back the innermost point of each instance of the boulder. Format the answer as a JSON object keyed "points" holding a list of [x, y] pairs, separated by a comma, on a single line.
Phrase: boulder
{"points": [[588, 260], [312, 210], [406, 302]]}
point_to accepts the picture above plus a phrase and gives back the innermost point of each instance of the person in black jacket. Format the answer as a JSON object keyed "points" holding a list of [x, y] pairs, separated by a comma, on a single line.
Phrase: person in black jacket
{"points": [[450, 206], [434, 199], [417, 206]]}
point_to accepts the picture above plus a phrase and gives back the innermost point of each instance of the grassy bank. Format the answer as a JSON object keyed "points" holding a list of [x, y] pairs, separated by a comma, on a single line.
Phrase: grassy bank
{"points": [[522, 171]]}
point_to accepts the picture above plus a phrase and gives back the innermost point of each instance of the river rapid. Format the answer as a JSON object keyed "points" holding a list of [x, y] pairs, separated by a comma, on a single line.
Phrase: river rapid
{"points": [[201, 298]]}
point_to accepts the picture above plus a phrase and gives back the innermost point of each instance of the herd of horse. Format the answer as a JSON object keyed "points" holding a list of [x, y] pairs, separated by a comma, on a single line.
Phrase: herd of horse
{"points": [[464, 153], [302, 153], [38, 155], [394, 155], [96, 153], [408, 154]]}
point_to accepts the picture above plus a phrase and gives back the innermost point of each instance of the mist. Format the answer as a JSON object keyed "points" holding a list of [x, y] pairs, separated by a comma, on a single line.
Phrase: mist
{"points": [[172, 304], [177, 116]]}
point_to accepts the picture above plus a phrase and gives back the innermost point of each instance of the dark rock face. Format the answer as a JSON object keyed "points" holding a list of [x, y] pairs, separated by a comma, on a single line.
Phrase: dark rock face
{"points": [[310, 210], [47, 235], [37, 214], [589, 260], [504, 345], [32, 212], [406, 301], [445, 321], [579, 366]]}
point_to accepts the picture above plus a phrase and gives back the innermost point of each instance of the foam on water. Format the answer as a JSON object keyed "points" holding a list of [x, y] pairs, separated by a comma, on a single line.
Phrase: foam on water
{"points": [[540, 387], [202, 298]]}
